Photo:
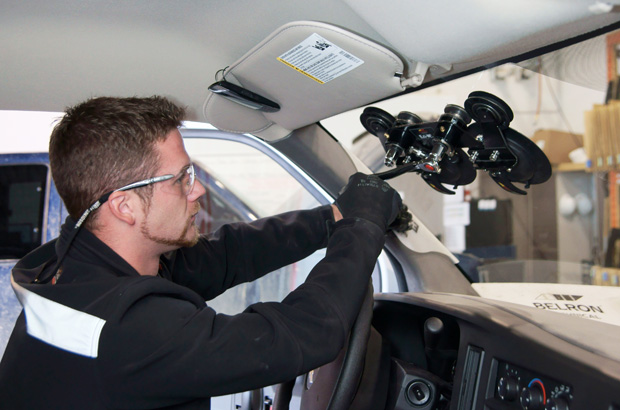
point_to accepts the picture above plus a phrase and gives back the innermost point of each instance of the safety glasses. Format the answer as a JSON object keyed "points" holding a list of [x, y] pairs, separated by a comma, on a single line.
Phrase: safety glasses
{"points": [[185, 182]]}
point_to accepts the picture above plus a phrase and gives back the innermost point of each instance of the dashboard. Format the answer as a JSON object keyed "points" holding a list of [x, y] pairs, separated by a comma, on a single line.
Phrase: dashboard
{"points": [[461, 352]]}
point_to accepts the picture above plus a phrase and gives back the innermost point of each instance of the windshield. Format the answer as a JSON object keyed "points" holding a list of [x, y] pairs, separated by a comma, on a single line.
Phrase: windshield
{"points": [[565, 230]]}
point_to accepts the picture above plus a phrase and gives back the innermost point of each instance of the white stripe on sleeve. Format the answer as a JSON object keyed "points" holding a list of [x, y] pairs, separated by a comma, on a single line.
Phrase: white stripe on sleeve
{"points": [[59, 325]]}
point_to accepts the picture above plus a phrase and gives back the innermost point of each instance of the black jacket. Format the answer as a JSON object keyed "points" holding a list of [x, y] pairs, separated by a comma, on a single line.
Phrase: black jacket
{"points": [[105, 337]]}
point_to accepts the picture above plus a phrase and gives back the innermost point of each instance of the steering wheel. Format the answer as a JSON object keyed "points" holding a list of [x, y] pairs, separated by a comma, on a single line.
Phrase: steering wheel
{"points": [[340, 377]]}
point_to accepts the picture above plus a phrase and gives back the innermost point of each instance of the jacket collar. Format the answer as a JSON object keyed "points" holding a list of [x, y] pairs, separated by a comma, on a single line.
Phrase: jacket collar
{"points": [[85, 248]]}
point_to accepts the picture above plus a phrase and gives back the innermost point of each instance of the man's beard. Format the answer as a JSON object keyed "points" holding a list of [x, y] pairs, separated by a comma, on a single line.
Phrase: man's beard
{"points": [[181, 241]]}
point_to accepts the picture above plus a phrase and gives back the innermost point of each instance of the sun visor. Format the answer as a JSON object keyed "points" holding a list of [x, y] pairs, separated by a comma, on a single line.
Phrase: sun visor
{"points": [[312, 71]]}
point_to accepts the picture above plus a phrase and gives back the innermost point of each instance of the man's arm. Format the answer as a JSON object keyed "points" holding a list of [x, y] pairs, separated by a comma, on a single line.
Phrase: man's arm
{"points": [[242, 252], [239, 253]]}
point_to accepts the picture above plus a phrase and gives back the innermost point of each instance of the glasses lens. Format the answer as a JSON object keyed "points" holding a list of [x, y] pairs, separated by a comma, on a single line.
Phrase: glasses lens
{"points": [[188, 186]]}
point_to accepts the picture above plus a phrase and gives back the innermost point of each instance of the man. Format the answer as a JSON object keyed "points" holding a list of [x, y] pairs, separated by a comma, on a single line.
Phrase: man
{"points": [[114, 313]]}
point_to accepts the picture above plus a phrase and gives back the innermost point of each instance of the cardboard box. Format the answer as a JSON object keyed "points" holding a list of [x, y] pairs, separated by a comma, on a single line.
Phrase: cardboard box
{"points": [[603, 276], [557, 144]]}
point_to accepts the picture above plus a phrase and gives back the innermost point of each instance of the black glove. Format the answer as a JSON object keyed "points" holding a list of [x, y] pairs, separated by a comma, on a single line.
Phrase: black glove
{"points": [[370, 198]]}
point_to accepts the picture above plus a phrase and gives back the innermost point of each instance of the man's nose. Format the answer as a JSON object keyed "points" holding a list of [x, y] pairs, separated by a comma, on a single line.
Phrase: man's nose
{"points": [[198, 191]]}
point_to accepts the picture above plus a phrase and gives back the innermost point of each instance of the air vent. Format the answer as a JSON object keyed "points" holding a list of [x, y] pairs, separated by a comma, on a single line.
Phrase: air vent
{"points": [[471, 378]]}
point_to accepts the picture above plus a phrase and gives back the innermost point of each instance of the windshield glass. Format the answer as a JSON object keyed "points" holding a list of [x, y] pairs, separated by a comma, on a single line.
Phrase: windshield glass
{"points": [[565, 230]]}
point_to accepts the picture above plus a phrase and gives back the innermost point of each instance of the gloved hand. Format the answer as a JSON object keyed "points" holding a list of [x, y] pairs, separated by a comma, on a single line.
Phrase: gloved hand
{"points": [[403, 221], [370, 198]]}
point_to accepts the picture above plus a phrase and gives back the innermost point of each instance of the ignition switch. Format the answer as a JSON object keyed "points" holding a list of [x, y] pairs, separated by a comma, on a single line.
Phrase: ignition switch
{"points": [[418, 393]]}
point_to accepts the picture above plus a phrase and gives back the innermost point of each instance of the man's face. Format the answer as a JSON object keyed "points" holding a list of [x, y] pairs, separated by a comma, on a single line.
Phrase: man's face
{"points": [[170, 218]]}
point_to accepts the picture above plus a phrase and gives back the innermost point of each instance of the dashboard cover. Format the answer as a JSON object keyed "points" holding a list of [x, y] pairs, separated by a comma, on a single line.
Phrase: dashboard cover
{"points": [[503, 351]]}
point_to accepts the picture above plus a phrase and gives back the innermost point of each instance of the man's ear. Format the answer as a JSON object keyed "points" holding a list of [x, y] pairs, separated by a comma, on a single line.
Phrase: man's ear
{"points": [[123, 206]]}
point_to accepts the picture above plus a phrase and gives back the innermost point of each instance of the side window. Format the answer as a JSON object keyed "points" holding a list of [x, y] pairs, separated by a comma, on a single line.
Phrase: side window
{"points": [[22, 203], [250, 175], [243, 183], [218, 205]]}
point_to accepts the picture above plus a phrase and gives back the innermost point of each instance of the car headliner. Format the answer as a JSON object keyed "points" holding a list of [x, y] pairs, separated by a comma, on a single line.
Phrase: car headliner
{"points": [[57, 53]]}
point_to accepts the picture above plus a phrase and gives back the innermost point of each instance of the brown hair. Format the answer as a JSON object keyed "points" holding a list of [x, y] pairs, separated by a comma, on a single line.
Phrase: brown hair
{"points": [[105, 143]]}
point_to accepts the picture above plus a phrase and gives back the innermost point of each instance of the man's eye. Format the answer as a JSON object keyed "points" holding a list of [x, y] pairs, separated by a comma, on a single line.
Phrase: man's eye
{"points": [[184, 179]]}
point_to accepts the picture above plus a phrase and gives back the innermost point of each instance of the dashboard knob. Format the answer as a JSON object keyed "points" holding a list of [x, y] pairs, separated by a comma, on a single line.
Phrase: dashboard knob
{"points": [[557, 403], [532, 398], [508, 388]]}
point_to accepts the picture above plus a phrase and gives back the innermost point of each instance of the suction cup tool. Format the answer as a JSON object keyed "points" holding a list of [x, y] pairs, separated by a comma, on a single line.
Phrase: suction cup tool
{"points": [[377, 122], [435, 149], [484, 108]]}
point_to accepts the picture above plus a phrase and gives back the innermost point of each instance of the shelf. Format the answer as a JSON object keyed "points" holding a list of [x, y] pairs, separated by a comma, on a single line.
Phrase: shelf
{"points": [[569, 167]]}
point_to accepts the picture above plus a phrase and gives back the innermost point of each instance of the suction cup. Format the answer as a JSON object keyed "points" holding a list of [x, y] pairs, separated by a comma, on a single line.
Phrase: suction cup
{"points": [[377, 122], [510, 157], [502, 179], [533, 166], [433, 181], [457, 170], [484, 108], [406, 117], [455, 111]]}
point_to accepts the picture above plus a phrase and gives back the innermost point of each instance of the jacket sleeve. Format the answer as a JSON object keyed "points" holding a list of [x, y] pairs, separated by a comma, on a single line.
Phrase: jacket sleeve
{"points": [[242, 252], [166, 350]]}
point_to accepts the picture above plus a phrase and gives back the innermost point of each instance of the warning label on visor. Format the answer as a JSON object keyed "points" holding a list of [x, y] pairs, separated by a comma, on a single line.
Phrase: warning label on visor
{"points": [[319, 59]]}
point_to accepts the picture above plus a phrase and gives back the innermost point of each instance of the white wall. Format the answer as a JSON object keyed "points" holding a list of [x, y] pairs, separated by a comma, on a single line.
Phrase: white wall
{"points": [[26, 131]]}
